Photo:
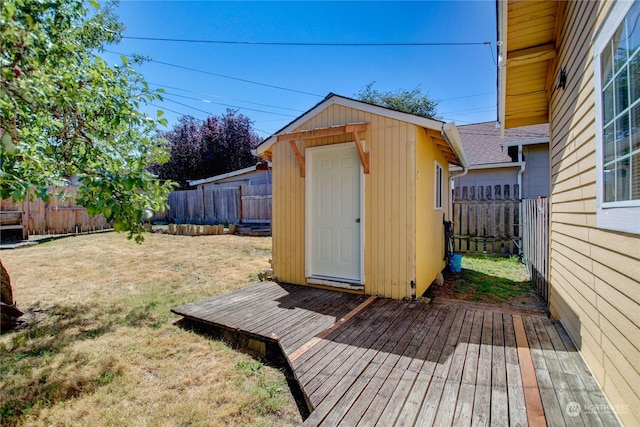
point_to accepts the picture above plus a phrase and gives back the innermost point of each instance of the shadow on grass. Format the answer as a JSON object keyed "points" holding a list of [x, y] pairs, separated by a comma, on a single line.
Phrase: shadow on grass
{"points": [[476, 286], [36, 371], [267, 351]]}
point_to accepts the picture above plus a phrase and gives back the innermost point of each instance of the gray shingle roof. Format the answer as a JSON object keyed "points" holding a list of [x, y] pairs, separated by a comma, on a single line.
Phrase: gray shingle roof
{"points": [[483, 145]]}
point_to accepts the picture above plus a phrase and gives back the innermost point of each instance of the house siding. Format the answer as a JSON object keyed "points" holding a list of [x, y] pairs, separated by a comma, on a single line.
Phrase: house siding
{"points": [[594, 273], [389, 203], [535, 180], [490, 177]]}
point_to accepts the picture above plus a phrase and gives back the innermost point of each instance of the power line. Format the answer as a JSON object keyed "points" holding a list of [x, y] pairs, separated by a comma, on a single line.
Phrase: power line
{"points": [[167, 109], [307, 44], [228, 105], [287, 108], [472, 110], [223, 97], [202, 111], [466, 96], [189, 106], [223, 76]]}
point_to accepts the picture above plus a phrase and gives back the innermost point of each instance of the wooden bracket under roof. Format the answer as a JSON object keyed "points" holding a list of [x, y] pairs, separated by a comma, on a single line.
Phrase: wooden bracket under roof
{"points": [[354, 129], [299, 156]]}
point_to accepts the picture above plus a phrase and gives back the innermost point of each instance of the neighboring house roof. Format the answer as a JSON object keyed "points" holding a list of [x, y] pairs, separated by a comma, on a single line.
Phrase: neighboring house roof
{"points": [[483, 144], [238, 172], [449, 130]]}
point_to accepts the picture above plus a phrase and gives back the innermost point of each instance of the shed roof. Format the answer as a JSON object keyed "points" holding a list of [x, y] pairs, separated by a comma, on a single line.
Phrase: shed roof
{"points": [[483, 144], [447, 129], [226, 175]]}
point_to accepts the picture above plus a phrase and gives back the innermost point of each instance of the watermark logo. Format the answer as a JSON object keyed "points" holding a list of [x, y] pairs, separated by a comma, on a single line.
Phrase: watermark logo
{"points": [[573, 409]]}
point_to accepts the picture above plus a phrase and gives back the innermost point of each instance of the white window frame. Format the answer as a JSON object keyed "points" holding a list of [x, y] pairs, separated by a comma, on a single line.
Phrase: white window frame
{"points": [[438, 187], [618, 216]]}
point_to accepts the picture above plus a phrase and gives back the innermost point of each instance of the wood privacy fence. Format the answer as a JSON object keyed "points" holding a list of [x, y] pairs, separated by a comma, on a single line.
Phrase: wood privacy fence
{"points": [[486, 219], [535, 242], [234, 205], [55, 216]]}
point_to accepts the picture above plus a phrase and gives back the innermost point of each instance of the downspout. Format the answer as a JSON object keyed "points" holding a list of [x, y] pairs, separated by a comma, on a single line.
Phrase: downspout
{"points": [[521, 171], [523, 165], [452, 176], [450, 134]]}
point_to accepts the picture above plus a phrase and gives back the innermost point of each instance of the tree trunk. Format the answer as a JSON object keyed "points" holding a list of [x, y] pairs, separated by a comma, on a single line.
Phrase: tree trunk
{"points": [[9, 312]]}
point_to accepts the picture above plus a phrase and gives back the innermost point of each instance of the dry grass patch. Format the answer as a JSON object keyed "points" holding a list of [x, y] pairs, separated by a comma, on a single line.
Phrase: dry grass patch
{"points": [[102, 348]]}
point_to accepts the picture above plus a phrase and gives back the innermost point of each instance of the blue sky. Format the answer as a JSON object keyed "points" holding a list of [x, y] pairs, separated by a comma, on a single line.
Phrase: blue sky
{"points": [[462, 78]]}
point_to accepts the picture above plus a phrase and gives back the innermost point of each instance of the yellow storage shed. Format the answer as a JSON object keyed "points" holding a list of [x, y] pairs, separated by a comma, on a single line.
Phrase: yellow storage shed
{"points": [[360, 194]]}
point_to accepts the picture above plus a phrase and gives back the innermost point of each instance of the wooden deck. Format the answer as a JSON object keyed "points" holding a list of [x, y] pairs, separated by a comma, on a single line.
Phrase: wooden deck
{"points": [[366, 361]]}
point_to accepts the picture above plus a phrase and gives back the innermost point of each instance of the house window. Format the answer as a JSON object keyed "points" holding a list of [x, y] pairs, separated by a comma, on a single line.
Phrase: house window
{"points": [[438, 181], [617, 77]]}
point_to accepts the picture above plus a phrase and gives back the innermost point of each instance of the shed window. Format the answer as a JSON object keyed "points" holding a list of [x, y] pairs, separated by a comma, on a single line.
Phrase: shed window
{"points": [[617, 77], [438, 181]]}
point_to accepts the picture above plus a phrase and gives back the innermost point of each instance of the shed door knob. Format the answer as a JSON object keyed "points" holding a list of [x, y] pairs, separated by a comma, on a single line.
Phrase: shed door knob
{"points": [[357, 219]]}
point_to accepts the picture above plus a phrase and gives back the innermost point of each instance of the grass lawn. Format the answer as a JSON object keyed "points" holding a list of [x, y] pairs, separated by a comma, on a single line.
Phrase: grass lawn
{"points": [[489, 279], [102, 347]]}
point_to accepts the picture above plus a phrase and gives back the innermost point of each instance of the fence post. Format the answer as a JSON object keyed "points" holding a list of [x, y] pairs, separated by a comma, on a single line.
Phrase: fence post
{"points": [[240, 204]]}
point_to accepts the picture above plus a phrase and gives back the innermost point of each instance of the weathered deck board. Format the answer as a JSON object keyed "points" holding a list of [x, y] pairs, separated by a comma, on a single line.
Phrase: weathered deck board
{"points": [[552, 410], [515, 387], [499, 398], [275, 312], [391, 410], [397, 363], [482, 399], [379, 389], [580, 369], [466, 395], [322, 368], [447, 407]]}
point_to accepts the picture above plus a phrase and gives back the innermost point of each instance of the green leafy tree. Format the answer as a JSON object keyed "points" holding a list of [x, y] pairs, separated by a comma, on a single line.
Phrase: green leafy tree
{"points": [[65, 112], [407, 101], [209, 147]]}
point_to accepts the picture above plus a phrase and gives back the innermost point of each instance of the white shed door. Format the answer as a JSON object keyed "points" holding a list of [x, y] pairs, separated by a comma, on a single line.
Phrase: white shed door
{"points": [[333, 213]]}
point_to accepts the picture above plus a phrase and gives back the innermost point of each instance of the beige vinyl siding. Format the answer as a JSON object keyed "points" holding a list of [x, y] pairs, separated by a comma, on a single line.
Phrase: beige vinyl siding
{"points": [[594, 273], [388, 212]]}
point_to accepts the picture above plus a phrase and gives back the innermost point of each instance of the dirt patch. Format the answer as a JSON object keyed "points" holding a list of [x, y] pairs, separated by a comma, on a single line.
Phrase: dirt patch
{"points": [[489, 280]]}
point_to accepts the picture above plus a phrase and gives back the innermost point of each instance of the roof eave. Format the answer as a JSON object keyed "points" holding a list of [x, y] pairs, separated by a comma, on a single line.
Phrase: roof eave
{"points": [[450, 132], [222, 176], [533, 141]]}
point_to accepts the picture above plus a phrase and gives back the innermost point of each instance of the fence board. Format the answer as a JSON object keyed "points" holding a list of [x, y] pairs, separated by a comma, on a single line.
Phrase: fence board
{"points": [[535, 242], [58, 215], [219, 204], [486, 219]]}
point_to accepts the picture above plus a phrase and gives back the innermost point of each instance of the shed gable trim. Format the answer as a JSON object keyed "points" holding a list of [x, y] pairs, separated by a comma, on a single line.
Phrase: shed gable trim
{"points": [[352, 128], [332, 99]]}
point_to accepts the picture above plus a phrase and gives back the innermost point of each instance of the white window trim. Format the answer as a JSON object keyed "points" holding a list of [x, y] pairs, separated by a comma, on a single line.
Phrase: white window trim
{"points": [[438, 183], [618, 216]]}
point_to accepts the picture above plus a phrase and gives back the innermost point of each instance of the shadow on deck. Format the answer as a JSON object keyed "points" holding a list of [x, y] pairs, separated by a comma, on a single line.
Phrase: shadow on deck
{"points": [[358, 360]]}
